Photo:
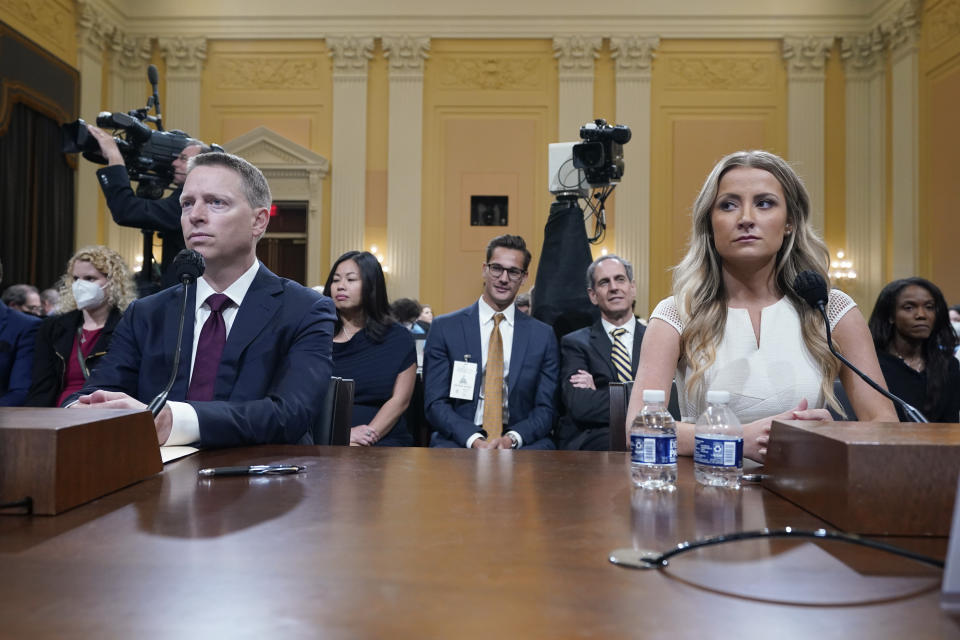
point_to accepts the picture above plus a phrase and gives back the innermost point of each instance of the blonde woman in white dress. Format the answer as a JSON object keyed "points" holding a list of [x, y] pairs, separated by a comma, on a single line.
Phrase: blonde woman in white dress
{"points": [[734, 322]]}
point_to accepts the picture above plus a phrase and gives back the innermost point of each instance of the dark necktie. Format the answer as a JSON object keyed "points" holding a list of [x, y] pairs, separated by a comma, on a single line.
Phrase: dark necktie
{"points": [[213, 336]]}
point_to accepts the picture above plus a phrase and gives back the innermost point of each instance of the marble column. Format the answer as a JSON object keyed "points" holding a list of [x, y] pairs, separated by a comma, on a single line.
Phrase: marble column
{"points": [[129, 89], [93, 36], [806, 58], [633, 57], [181, 105], [349, 162], [903, 34], [575, 59], [866, 150], [405, 55]]}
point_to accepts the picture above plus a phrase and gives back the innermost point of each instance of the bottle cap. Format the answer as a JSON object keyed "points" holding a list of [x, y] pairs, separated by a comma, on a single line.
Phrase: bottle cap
{"points": [[653, 395], [718, 397]]}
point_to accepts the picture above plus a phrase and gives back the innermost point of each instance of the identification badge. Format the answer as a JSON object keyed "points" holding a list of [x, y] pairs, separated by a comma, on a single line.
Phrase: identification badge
{"points": [[462, 381]]}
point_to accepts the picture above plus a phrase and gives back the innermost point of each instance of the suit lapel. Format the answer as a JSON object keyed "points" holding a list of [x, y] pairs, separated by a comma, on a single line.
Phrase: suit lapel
{"points": [[604, 348], [637, 339], [470, 332], [518, 351], [259, 306]]}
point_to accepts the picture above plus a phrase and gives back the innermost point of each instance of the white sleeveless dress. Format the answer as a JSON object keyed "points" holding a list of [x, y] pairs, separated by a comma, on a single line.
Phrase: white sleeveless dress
{"points": [[762, 380]]}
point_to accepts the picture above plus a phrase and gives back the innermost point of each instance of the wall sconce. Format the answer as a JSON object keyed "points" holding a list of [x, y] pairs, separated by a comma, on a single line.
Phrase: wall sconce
{"points": [[842, 269], [380, 258]]}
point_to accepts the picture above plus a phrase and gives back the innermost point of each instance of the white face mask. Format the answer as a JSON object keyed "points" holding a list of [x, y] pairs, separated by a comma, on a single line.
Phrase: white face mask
{"points": [[956, 327], [87, 294]]}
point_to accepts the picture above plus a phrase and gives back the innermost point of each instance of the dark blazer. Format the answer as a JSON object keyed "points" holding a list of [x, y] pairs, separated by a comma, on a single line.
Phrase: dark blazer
{"points": [[17, 333], [531, 380], [161, 215], [586, 419], [273, 373], [54, 346]]}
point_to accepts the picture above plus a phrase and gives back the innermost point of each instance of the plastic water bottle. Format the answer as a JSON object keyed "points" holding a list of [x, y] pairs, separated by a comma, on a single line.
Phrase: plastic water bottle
{"points": [[718, 444], [653, 445]]}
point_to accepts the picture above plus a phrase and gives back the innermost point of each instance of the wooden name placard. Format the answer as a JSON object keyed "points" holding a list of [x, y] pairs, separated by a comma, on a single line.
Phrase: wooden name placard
{"points": [[61, 458], [868, 478]]}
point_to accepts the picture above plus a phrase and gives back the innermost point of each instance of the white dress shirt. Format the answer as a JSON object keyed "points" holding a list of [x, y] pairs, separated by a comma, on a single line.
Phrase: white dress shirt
{"points": [[186, 425], [506, 334]]}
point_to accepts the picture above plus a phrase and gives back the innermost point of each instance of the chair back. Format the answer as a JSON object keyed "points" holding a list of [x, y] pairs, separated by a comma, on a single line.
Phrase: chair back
{"points": [[619, 399], [333, 427]]}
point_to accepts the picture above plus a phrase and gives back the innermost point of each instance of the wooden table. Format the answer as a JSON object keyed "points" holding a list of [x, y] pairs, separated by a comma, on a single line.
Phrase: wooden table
{"points": [[427, 543]]}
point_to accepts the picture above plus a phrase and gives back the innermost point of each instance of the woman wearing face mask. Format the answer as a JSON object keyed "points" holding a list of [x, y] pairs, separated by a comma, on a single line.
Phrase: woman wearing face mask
{"points": [[914, 342], [94, 292]]}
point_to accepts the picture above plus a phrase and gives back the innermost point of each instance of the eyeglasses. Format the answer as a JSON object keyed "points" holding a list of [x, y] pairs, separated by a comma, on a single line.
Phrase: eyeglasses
{"points": [[496, 270]]}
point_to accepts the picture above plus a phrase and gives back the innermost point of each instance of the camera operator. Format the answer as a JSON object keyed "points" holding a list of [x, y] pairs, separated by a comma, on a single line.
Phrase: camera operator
{"points": [[129, 210]]}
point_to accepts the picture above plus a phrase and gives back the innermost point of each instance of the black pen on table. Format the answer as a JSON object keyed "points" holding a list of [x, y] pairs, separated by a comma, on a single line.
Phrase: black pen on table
{"points": [[252, 470]]}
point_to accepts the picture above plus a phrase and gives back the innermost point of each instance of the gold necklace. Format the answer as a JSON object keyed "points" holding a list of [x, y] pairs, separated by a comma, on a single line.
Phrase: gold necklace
{"points": [[917, 363]]}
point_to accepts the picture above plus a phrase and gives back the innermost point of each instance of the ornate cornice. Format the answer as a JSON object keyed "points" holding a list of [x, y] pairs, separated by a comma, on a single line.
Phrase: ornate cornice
{"points": [[184, 55], [807, 55], [256, 72], [406, 54], [575, 54], [94, 28], [350, 54], [131, 53], [862, 53], [903, 30], [633, 55], [694, 73], [514, 73]]}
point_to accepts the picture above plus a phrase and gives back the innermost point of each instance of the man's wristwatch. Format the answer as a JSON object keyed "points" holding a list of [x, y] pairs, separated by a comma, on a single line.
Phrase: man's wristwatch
{"points": [[513, 439]]}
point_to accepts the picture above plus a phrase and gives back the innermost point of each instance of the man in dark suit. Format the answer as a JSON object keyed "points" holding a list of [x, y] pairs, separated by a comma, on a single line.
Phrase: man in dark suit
{"points": [[129, 210], [256, 357], [490, 372], [18, 332], [594, 356]]}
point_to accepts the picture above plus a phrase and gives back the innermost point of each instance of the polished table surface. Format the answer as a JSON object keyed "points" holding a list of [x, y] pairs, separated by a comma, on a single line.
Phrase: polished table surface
{"points": [[420, 543]]}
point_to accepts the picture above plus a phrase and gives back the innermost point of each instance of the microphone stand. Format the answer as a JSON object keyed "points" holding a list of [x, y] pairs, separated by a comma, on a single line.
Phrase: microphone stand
{"points": [[156, 405], [910, 410]]}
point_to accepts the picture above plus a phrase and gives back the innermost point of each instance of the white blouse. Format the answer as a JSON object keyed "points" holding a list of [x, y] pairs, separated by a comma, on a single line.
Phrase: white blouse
{"points": [[762, 380]]}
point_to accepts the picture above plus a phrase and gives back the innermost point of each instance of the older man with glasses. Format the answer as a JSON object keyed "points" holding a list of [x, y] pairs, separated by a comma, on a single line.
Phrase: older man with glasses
{"points": [[490, 373]]}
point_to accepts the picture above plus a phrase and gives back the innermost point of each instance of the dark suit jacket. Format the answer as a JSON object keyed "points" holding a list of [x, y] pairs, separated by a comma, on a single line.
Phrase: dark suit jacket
{"points": [[588, 409], [54, 346], [274, 370], [161, 215], [531, 380], [17, 333]]}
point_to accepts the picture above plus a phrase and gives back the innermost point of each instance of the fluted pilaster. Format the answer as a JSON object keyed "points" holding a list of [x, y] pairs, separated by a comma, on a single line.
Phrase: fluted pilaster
{"points": [[348, 197], [806, 59], [633, 58], [185, 58], [575, 60], [865, 192], [406, 55]]}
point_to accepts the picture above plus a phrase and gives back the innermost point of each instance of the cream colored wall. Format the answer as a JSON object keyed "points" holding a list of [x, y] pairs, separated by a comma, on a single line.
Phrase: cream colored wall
{"points": [[939, 142], [710, 98], [701, 107], [489, 113]]}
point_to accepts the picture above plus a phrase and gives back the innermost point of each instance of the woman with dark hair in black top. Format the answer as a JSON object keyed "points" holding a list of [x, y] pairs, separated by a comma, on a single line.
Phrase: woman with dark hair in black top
{"points": [[915, 342], [373, 350]]}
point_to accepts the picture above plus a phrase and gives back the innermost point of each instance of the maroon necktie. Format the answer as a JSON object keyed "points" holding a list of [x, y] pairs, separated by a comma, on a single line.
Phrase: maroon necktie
{"points": [[213, 336]]}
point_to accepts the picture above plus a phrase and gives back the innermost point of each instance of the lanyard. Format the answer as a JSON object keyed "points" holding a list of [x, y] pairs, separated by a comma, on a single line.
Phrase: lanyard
{"points": [[80, 358]]}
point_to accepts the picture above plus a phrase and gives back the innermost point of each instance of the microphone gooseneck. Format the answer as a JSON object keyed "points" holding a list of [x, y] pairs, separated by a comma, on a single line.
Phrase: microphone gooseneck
{"points": [[189, 266], [811, 286]]}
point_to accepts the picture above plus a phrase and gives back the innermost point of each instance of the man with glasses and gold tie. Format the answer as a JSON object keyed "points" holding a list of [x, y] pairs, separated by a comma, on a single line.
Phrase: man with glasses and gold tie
{"points": [[490, 372], [593, 357]]}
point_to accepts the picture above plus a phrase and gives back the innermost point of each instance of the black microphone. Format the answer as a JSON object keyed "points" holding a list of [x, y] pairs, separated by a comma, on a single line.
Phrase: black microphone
{"points": [[189, 266], [154, 78], [811, 286]]}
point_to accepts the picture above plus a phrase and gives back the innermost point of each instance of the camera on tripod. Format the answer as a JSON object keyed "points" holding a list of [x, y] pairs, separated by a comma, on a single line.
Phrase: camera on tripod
{"points": [[601, 154]]}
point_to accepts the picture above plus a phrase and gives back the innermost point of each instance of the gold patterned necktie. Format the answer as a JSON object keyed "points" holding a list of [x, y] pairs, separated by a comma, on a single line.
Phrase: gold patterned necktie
{"points": [[621, 361], [493, 383]]}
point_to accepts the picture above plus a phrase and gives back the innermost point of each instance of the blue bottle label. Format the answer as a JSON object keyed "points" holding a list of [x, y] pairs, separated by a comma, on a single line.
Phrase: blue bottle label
{"points": [[653, 449], [718, 452]]}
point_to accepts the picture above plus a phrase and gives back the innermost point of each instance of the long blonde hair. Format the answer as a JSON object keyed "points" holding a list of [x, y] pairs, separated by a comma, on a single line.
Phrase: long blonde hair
{"points": [[698, 287], [122, 290]]}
